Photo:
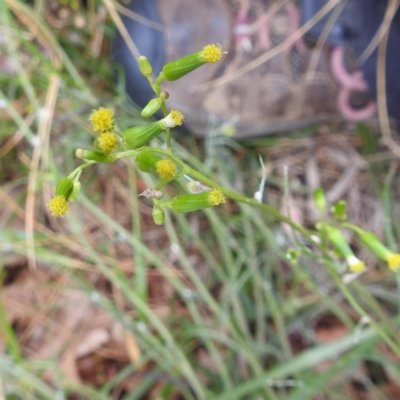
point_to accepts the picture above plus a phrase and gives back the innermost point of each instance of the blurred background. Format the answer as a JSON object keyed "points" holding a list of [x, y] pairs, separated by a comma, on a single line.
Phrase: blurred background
{"points": [[104, 304]]}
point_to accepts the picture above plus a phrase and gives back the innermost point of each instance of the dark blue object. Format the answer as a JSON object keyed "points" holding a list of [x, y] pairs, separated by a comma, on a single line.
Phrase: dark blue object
{"points": [[343, 30], [356, 27], [150, 43]]}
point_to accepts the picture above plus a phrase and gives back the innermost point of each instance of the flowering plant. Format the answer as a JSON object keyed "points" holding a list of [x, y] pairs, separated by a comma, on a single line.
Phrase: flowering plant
{"points": [[112, 145]]}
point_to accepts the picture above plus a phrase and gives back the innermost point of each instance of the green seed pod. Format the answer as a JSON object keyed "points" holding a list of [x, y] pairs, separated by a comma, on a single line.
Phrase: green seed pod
{"points": [[158, 215], [75, 191], [96, 156], [145, 66], [146, 161], [138, 136], [64, 187], [193, 202], [152, 107]]}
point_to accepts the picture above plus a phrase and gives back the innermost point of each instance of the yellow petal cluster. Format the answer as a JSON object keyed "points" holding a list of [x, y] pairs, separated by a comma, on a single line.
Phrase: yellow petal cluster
{"points": [[165, 169], [102, 119], [107, 142], [58, 206], [216, 197], [174, 118], [393, 261], [355, 264], [212, 53]]}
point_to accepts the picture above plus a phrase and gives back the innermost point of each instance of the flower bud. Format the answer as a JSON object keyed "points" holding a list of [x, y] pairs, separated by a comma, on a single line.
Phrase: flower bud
{"points": [[393, 261], [374, 244], [181, 67], [158, 215], [192, 202], [336, 237], [145, 66], [152, 107], [138, 136], [58, 205], [64, 187], [96, 156], [173, 119], [355, 264], [146, 161]]}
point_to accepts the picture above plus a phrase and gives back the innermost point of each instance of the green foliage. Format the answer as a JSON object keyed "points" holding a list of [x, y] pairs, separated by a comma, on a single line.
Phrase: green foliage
{"points": [[240, 291]]}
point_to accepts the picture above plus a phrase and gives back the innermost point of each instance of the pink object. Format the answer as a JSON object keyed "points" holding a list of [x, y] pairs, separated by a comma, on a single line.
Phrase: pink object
{"points": [[348, 83], [294, 25], [352, 81], [264, 41], [242, 29], [348, 112]]}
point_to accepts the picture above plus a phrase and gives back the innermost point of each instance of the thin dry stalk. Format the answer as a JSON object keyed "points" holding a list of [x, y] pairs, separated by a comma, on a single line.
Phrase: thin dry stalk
{"points": [[121, 27], [271, 53]]}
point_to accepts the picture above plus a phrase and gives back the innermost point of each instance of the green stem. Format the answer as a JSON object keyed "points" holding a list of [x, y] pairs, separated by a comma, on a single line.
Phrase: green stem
{"points": [[79, 169], [157, 89], [197, 175], [357, 307], [9, 335], [151, 83], [157, 84], [140, 274], [232, 195], [168, 130], [398, 290], [127, 153], [354, 228]]}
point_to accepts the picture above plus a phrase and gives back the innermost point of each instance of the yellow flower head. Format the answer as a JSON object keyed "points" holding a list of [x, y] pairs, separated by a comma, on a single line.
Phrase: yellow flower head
{"points": [[107, 142], [393, 261], [371, 241], [174, 118], [212, 53], [355, 264], [165, 169], [102, 119], [58, 206], [216, 197]]}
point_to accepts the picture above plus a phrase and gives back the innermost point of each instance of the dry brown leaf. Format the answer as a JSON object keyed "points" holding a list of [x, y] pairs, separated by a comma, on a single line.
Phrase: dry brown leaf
{"points": [[92, 341], [132, 347]]}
